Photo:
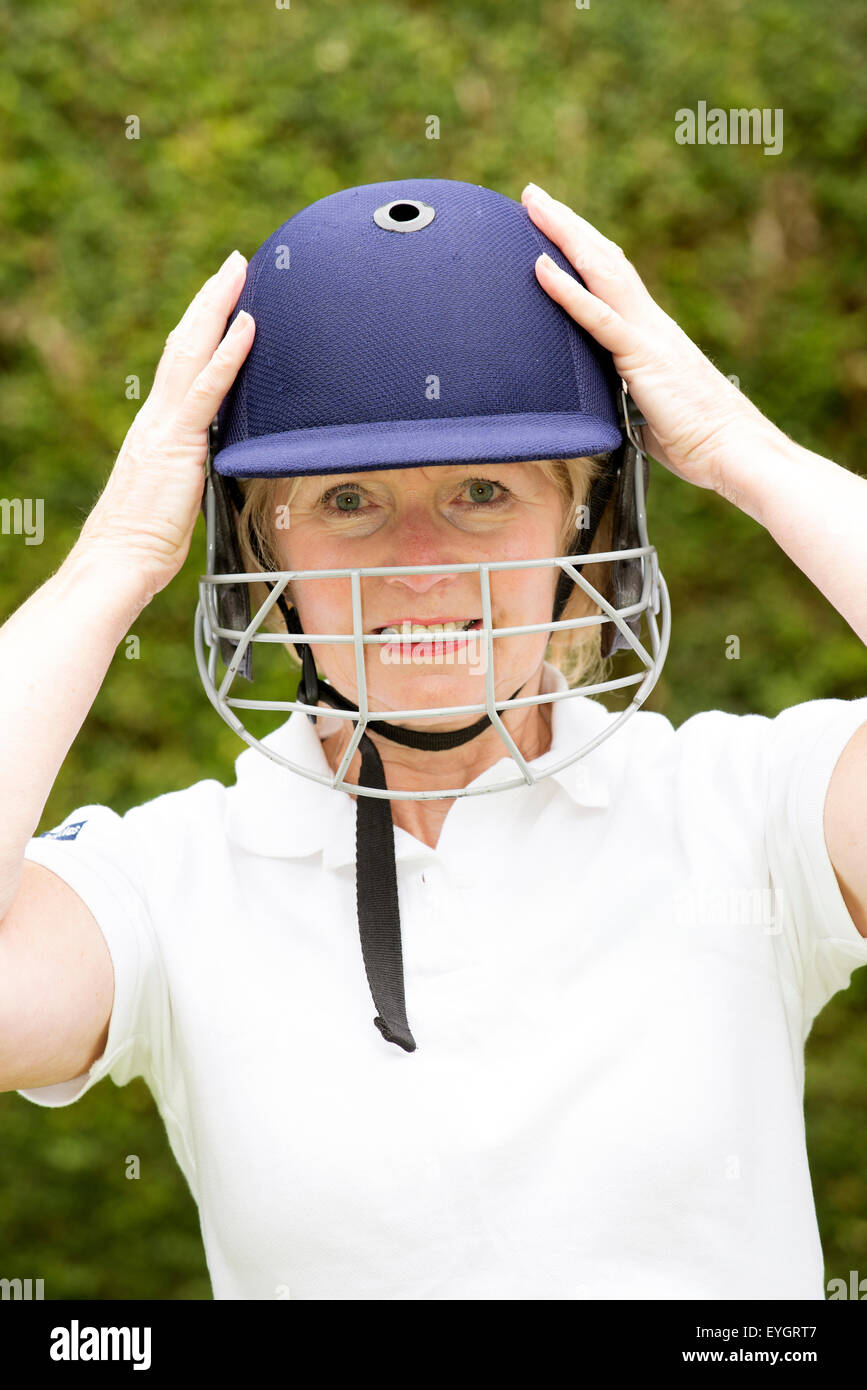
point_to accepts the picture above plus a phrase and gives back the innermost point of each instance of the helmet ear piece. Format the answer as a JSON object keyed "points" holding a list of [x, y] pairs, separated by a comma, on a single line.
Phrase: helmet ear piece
{"points": [[625, 576], [233, 600], [613, 493]]}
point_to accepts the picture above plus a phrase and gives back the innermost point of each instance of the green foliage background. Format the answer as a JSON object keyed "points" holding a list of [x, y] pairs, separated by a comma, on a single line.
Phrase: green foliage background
{"points": [[249, 113]]}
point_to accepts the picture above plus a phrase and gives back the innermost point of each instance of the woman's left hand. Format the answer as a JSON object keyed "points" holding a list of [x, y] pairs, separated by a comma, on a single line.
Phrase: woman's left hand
{"points": [[696, 418]]}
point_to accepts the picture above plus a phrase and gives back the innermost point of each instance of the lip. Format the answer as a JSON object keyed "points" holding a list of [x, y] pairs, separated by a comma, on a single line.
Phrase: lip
{"points": [[398, 622]]}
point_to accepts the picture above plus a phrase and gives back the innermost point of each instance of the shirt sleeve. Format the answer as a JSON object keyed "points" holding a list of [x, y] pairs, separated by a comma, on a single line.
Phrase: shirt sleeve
{"points": [[94, 852], [819, 941]]}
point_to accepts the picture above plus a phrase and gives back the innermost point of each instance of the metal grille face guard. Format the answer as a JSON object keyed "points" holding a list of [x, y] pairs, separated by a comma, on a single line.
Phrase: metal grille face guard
{"points": [[653, 603]]}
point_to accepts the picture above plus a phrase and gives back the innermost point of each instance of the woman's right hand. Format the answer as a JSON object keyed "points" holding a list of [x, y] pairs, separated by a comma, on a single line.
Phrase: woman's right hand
{"points": [[143, 522]]}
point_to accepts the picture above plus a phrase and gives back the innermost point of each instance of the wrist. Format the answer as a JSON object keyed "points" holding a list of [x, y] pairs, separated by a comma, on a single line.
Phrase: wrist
{"points": [[116, 587], [757, 466]]}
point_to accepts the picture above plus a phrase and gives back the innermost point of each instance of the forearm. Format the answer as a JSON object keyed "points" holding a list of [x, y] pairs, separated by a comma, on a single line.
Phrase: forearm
{"points": [[54, 654], [815, 510]]}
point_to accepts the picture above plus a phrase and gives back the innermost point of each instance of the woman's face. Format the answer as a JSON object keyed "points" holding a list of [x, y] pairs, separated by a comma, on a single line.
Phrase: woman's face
{"points": [[447, 514]]}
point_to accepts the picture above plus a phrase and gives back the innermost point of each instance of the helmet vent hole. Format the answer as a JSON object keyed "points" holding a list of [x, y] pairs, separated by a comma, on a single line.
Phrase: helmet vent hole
{"points": [[404, 215]]}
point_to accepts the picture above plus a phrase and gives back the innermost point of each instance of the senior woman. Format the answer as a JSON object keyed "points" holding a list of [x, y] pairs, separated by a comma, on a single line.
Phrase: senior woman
{"points": [[605, 1098]]}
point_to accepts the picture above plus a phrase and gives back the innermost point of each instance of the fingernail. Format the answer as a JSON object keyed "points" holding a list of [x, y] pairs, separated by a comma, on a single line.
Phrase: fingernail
{"points": [[232, 262], [529, 190], [241, 321], [545, 259]]}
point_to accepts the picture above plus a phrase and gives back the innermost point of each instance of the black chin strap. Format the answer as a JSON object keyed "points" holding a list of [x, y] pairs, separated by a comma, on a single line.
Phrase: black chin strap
{"points": [[375, 870]]}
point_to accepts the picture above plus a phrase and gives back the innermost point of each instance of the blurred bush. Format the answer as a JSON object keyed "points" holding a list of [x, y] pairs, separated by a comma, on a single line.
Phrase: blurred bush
{"points": [[248, 114]]}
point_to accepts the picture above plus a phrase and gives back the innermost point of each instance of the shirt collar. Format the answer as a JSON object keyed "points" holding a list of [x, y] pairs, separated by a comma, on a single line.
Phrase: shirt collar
{"points": [[277, 813]]}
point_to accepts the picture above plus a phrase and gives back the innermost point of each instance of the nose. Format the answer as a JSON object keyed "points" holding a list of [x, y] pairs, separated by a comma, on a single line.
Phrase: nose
{"points": [[422, 583], [420, 538]]}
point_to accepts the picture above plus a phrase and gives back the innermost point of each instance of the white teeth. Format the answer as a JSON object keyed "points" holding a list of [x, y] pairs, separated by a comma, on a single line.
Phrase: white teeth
{"points": [[410, 629]]}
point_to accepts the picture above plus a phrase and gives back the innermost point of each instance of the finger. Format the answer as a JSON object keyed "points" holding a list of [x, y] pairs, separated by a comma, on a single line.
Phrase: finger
{"points": [[601, 320], [192, 342], [601, 263], [209, 387]]}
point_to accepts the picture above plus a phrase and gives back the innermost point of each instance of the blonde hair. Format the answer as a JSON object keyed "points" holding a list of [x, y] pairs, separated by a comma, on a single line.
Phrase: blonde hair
{"points": [[576, 652]]}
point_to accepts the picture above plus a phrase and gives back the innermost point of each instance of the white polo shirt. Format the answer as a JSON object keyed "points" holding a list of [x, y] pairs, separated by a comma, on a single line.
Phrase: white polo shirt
{"points": [[610, 977]]}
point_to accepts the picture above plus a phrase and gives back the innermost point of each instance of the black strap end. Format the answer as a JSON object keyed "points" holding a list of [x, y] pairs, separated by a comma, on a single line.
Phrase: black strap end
{"points": [[402, 1036]]}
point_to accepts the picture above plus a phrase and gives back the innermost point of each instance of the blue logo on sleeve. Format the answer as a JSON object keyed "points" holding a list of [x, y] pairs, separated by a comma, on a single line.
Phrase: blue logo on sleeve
{"points": [[63, 832]]}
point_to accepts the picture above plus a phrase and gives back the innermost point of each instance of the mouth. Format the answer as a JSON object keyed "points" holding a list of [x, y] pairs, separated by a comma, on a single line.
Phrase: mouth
{"points": [[447, 628]]}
